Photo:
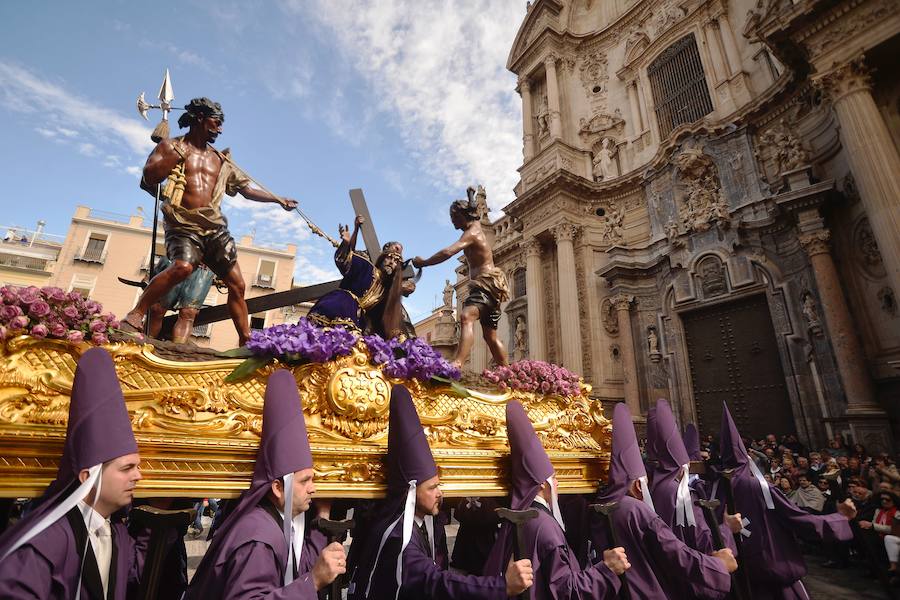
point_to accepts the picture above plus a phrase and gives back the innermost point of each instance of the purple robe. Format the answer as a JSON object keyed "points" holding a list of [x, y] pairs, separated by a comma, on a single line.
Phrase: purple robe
{"points": [[423, 577], [771, 554], [662, 566], [47, 566], [360, 288], [250, 562], [476, 534]]}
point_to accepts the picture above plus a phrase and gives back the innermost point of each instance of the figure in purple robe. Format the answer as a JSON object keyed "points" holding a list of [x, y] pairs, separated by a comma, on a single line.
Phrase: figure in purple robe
{"points": [[557, 573], [256, 552], [396, 558], [365, 285], [769, 550], [477, 531], [67, 545], [662, 566], [673, 499]]}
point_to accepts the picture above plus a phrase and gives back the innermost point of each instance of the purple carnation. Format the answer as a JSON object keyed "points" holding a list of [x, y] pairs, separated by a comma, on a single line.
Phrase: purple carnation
{"points": [[39, 309]]}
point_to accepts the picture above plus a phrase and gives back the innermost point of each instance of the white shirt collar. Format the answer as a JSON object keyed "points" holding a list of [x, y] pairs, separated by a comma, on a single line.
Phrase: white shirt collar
{"points": [[540, 500], [419, 520], [92, 519], [298, 536]]}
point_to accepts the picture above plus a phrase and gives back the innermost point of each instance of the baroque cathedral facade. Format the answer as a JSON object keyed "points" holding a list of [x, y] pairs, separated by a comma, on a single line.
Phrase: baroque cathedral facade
{"points": [[709, 209]]}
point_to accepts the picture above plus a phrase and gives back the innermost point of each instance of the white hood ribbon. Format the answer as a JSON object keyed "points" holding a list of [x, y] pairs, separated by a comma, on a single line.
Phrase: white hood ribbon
{"points": [[745, 524], [90, 524], [429, 526], [554, 503], [409, 513], [287, 522], [763, 484], [645, 492], [473, 501], [684, 507]]}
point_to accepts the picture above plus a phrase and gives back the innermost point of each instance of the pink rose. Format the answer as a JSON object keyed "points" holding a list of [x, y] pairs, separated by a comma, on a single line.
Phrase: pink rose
{"points": [[74, 296], [58, 330], [39, 309], [545, 387], [29, 294], [70, 312], [39, 331], [20, 322], [9, 295], [9, 312], [92, 308], [114, 324], [99, 338], [54, 294], [75, 336], [98, 326]]}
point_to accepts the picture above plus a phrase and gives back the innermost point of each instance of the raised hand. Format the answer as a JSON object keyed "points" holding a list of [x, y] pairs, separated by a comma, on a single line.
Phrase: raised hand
{"points": [[287, 203]]}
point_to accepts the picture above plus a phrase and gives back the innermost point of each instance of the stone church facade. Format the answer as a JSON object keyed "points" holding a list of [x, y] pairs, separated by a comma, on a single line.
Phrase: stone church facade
{"points": [[709, 209]]}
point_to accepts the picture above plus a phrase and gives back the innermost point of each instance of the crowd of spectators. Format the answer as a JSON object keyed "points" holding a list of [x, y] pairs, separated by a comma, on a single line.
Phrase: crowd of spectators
{"points": [[816, 481]]}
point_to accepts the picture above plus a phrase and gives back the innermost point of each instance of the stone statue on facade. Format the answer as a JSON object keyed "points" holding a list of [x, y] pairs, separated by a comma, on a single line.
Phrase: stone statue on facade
{"points": [[811, 313], [520, 339], [788, 149], [543, 117], [611, 226], [653, 344], [604, 165], [701, 201], [448, 294]]}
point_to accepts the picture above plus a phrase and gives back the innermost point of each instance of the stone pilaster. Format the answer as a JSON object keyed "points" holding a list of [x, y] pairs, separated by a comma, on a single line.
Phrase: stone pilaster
{"points": [[637, 127], [871, 154], [570, 327], [863, 412], [534, 292], [731, 50], [527, 119], [553, 96], [622, 303]]}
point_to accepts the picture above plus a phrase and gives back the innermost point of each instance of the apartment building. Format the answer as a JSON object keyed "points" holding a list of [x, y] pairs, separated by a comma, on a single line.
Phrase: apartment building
{"points": [[28, 257]]}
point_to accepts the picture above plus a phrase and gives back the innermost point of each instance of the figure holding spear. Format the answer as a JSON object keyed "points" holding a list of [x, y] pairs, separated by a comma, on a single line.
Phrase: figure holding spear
{"points": [[199, 176]]}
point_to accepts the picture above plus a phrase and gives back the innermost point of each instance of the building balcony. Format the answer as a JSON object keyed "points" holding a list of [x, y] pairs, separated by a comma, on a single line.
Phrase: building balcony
{"points": [[92, 256], [28, 264]]}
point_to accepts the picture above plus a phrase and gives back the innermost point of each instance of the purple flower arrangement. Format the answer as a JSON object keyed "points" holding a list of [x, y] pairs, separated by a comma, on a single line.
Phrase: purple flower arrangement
{"points": [[305, 342], [535, 376], [50, 312]]}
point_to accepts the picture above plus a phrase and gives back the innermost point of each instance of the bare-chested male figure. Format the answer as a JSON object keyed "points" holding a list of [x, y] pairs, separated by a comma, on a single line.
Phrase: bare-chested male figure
{"points": [[196, 231], [487, 283]]}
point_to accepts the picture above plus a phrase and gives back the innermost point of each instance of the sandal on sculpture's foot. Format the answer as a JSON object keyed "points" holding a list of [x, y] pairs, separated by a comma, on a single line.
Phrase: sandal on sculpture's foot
{"points": [[132, 325]]}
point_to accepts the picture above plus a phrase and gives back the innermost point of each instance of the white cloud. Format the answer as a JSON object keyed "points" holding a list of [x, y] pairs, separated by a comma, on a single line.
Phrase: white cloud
{"points": [[65, 113], [88, 149], [440, 68], [133, 170]]}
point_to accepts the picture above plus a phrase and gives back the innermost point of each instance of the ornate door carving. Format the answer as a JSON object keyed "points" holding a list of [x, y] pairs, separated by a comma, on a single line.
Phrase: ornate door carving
{"points": [[734, 358]]}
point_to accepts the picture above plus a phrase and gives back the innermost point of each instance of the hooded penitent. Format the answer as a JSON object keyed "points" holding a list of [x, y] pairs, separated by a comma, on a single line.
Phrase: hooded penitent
{"points": [[672, 496], [625, 465], [409, 463], [98, 431], [691, 439], [530, 467], [283, 450], [734, 456]]}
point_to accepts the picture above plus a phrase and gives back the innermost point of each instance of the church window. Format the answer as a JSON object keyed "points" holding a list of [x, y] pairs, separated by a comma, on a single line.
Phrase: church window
{"points": [[519, 289], [679, 85]]}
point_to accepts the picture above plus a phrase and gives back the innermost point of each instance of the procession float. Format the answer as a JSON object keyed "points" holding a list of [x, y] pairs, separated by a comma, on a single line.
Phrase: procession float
{"points": [[197, 415]]}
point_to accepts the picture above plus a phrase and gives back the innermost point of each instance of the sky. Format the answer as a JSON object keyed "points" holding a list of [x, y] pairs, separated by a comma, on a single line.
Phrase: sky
{"points": [[408, 100]]}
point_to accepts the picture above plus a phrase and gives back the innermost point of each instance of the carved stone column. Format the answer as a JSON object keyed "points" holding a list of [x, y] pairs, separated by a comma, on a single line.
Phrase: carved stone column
{"points": [[863, 412], [534, 292], [637, 127], [569, 321], [553, 96], [872, 156], [527, 118], [716, 52], [622, 303], [731, 49]]}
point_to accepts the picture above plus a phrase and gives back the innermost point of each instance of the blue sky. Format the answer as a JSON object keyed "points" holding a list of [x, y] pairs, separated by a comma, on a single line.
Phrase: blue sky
{"points": [[409, 100]]}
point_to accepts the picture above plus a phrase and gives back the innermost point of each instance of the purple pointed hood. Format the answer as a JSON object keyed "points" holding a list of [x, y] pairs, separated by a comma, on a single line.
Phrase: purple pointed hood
{"points": [[664, 443], [530, 465], [409, 455], [732, 451], [691, 439], [98, 430], [625, 464], [283, 449], [666, 449]]}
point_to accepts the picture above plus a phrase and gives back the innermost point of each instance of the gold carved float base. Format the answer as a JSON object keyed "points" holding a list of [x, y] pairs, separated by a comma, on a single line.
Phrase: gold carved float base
{"points": [[198, 435]]}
